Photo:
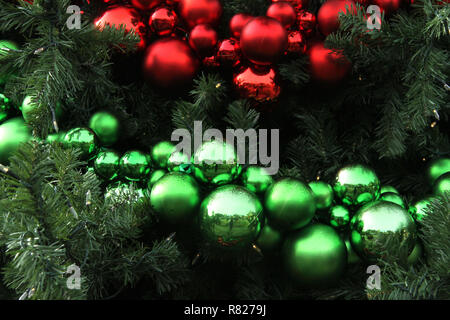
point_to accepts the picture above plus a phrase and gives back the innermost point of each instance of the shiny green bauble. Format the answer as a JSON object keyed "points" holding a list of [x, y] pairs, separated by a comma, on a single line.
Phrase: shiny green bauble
{"points": [[124, 193], [134, 165], [437, 168], [352, 257], [442, 184], [256, 179], [161, 153], [339, 216], [56, 137], [106, 126], [393, 197], [175, 197], [314, 256], [289, 204], [269, 238], [230, 216], [386, 189], [323, 194], [178, 161], [216, 162], [416, 254], [4, 107], [356, 185], [29, 106], [419, 209], [155, 176], [13, 132], [106, 164], [83, 139], [5, 44], [375, 221]]}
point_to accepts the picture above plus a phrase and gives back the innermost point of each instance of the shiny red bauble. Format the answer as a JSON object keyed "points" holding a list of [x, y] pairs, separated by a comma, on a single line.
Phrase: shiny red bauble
{"points": [[297, 4], [229, 52], [169, 63], [128, 17], [389, 6], [283, 12], [237, 23], [163, 21], [296, 42], [328, 15], [327, 65], [203, 39], [145, 4], [257, 83], [196, 12], [263, 40], [306, 22]]}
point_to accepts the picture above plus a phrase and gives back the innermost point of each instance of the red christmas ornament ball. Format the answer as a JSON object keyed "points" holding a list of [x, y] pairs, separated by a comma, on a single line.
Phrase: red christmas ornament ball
{"points": [[283, 12], [229, 52], [128, 17], [145, 4], [196, 12], [306, 22], [203, 39], [257, 83], [297, 4], [389, 6], [327, 65], [263, 40], [328, 15], [296, 42], [163, 21], [169, 62], [237, 23]]}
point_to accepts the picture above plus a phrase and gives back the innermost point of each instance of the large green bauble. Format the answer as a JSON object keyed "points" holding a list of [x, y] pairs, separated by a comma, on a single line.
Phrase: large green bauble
{"points": [[376, 220], [134, 165], [28, 107], [83, 139], [230, 216], [155, 176], [269, 238], [13, 132], [437, 168], [442, 184], [256, 179], [323, 194], [420, 208], [393, 197], [339, 216], [315, 256], [385, 189], [106, 126], [352, 257], [178, 161], [356, 185], [106, 164], [161, 153], [175, 197], [4, 107], [9, 45], [216, 163], [290, 204]]}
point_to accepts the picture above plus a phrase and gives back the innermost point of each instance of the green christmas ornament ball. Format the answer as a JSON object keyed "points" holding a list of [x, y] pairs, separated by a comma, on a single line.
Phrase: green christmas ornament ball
{"points": [[106, 164], [442, 184], [393, 197], [178, 161], [289, 204], [106, 126], [56, 137], [5, 45], [230, 216], [437, 168], [13, 132], [352, 257], [323, 194], [161, 153], [419, 209], [339, 216], [134, 165], [269, 239], [83, 139], [216, 162], [155, 176], [385, 189], [29, 106], [256, 179], [376, 220], [314, 256], [175, 197]]}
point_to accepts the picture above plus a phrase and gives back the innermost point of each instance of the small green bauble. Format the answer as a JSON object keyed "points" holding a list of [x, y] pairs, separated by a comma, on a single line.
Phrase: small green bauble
{"points": [[4, 46], [385, 189], [269, 238], [352, 257], [290, 204], [442, 184], [315, 256], [83, 139], [106, 126], [437, 168], [134, 165], [175, 197], [56, 137], [416, 254], [393, 197], [419, 209], [124, 193], [13, 132], [339, 216], [4, 107], [356, 185], [178, 161], [216, 163], [376, 220], [323, 194], [106, 164], [230, 216], [161, 153], [155, 176], [256, 179], [28, 107]]}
